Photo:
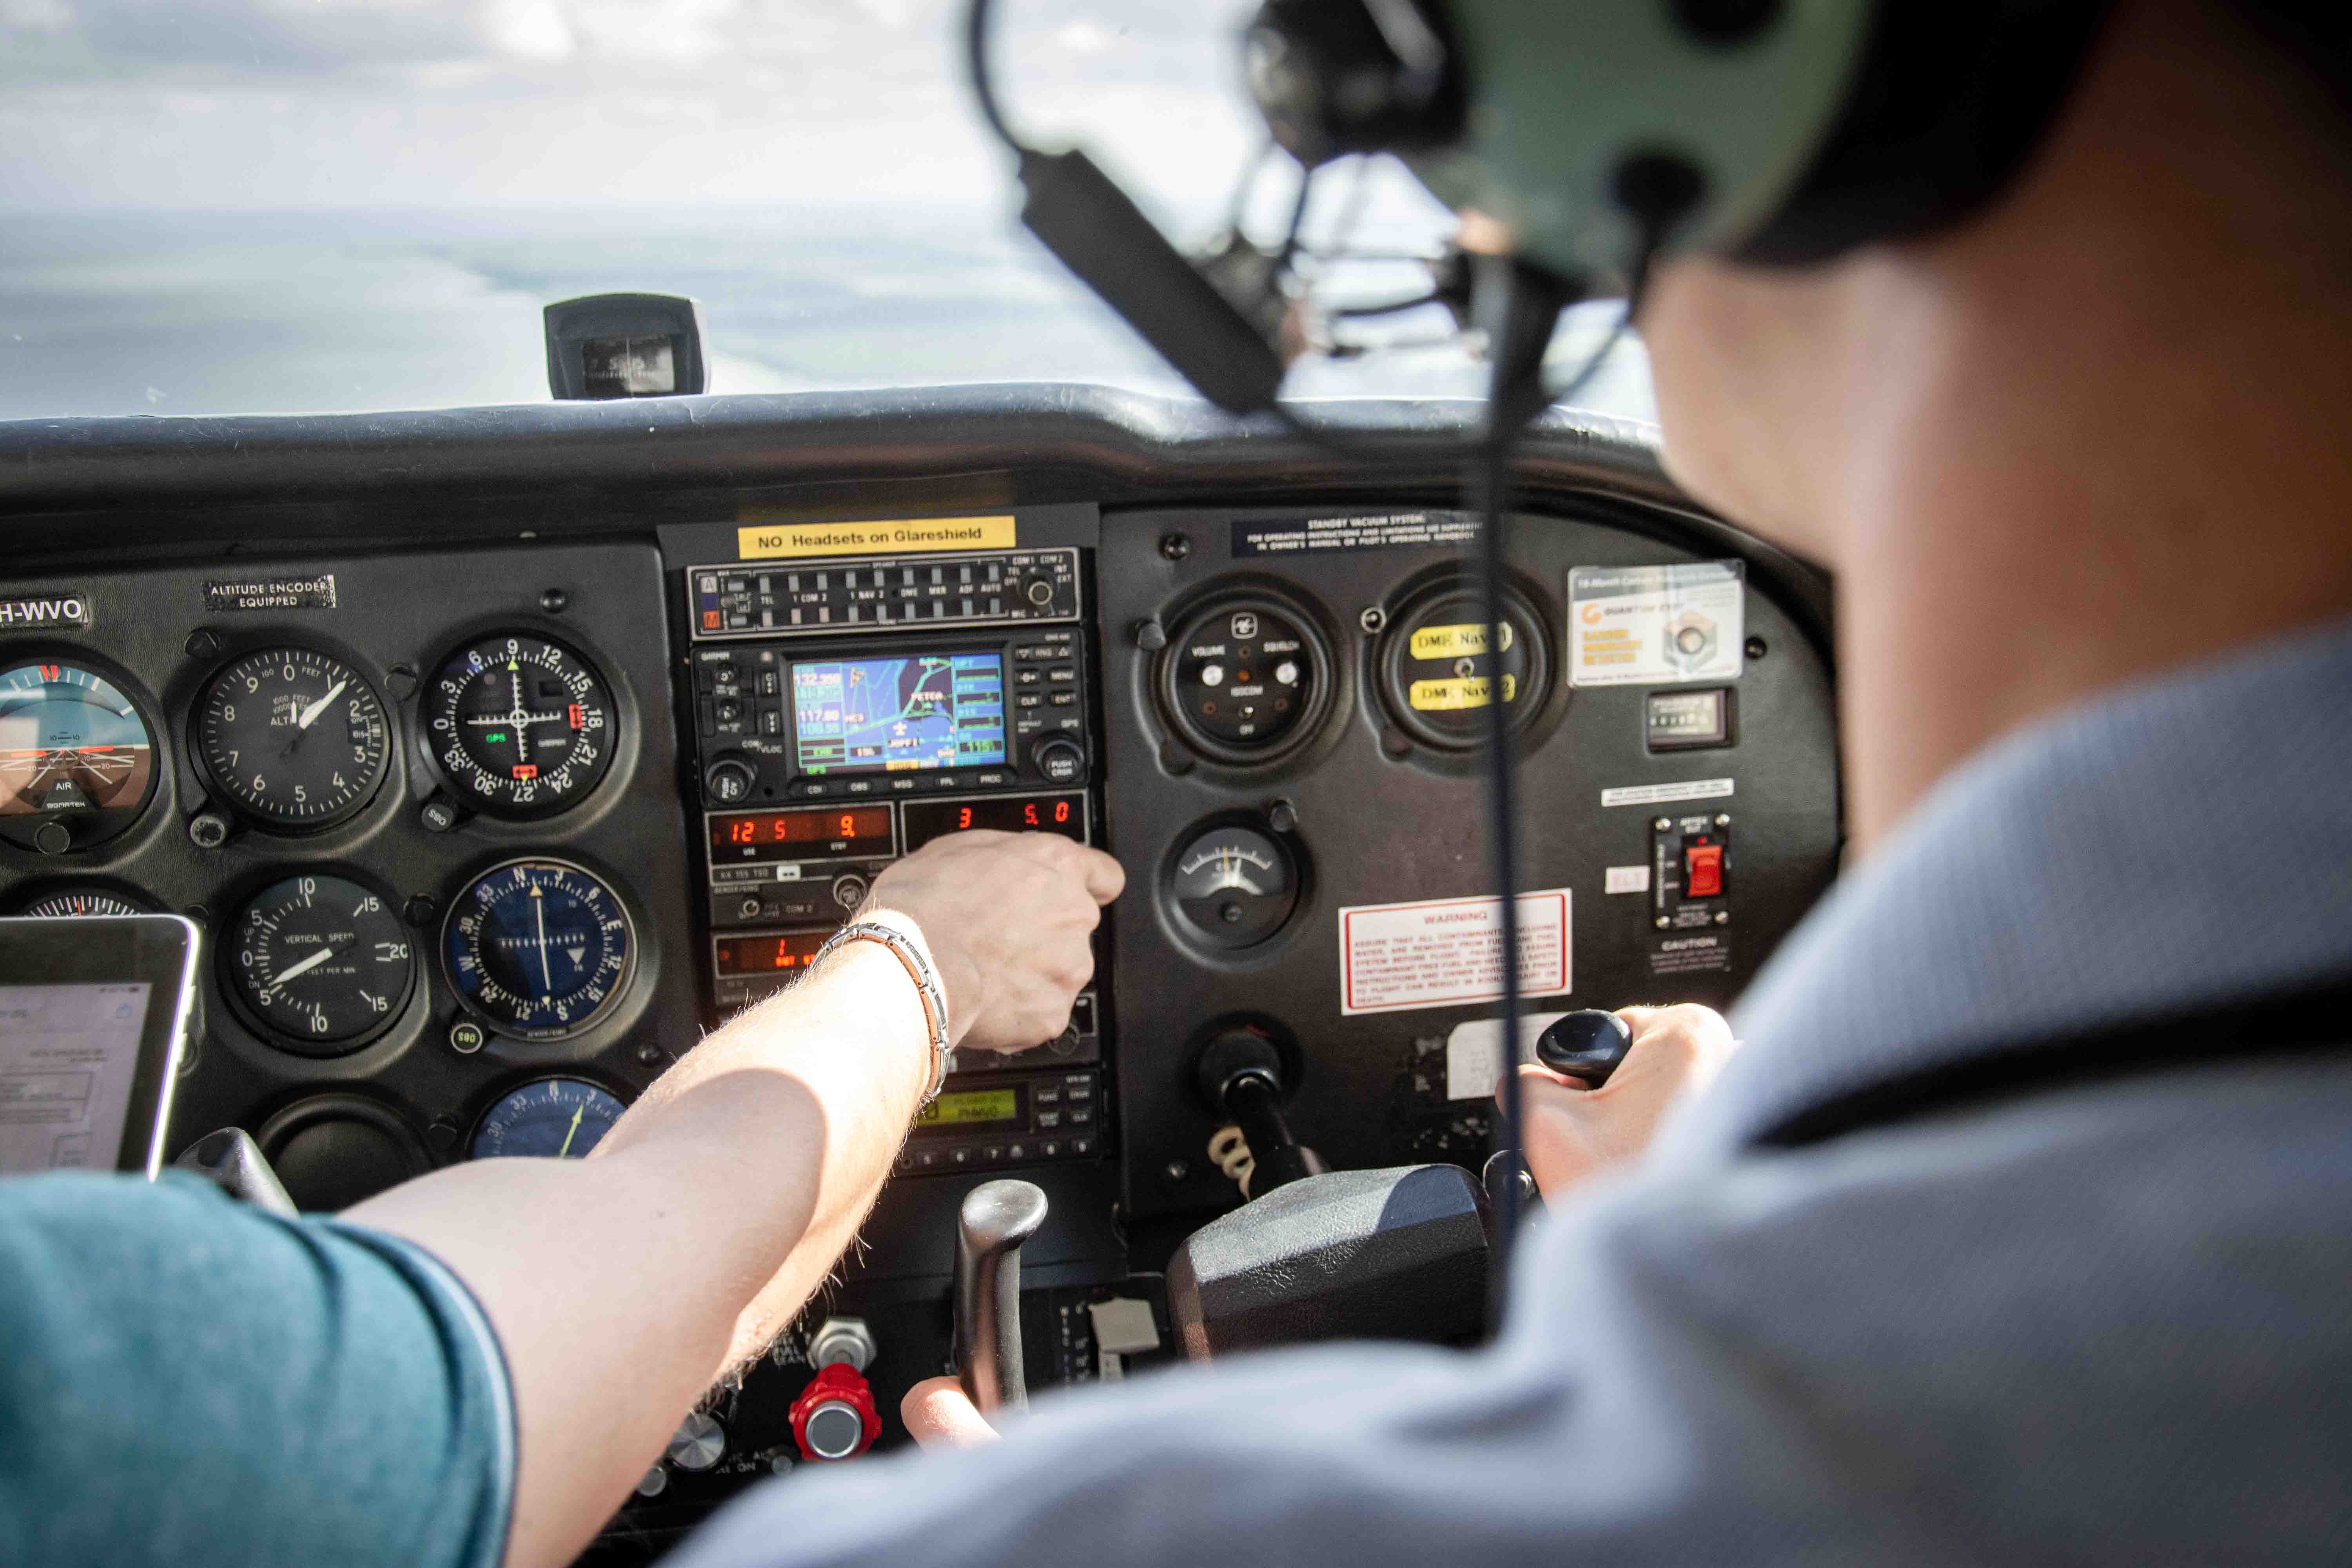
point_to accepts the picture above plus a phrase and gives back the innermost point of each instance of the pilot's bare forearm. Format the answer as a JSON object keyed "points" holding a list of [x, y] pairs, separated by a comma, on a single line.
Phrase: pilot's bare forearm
{"points": [[622, 1285]]}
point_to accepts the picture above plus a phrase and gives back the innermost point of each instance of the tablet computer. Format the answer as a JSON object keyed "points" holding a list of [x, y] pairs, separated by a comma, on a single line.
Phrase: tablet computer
{"points": [[95, 1014]]}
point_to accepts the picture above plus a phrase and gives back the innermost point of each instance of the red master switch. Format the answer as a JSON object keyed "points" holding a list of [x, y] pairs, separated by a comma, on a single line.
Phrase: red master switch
{"points": [[1703, 871]]}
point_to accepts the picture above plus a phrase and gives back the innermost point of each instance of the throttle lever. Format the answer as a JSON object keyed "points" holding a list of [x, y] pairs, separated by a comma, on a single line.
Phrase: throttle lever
{"points": [[1589, 1044], [995, 1219]]}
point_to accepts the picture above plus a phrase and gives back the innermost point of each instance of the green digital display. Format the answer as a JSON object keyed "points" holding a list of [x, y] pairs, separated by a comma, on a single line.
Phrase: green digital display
{"points": [[969, 1106]]}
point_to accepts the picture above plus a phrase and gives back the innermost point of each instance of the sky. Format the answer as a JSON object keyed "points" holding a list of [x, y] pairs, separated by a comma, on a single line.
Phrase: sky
{"points": [[276, 205], [250, 104]]}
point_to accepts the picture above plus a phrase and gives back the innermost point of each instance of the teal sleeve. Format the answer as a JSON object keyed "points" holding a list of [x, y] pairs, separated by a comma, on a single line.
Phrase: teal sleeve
{"points": [[185, 1380]]}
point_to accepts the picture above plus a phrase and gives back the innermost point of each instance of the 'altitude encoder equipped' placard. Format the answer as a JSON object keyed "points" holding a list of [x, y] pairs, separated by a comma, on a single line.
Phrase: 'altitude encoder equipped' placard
{"points": [[1651, 626], [1446, 952]]}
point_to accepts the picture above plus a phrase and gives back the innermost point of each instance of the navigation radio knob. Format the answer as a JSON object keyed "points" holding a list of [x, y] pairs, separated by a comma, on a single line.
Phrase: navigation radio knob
{"points": [[1060, 759], [849, 891], [729, 780]]}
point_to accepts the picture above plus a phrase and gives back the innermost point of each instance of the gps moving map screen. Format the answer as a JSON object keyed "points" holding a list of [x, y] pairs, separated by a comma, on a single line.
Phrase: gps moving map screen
{"points": [[890, 715]]}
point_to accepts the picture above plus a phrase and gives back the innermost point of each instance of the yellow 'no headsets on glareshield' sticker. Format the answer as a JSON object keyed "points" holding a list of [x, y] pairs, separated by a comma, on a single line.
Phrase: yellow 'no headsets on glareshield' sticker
{"points": [[1451, 696], [899, 536], [1454, 642]]}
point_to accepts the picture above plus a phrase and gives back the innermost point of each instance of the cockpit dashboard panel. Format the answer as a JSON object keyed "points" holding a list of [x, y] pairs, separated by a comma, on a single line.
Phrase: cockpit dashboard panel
{"points": [[501, 754]]}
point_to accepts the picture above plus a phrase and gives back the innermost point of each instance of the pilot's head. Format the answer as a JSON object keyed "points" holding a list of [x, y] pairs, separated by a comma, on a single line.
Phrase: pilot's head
{"points": [[2193, 194]]}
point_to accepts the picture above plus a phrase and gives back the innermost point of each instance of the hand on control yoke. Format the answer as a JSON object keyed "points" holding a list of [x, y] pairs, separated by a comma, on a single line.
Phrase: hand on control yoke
{"points": [[1573, 1132], [1006, 917]]}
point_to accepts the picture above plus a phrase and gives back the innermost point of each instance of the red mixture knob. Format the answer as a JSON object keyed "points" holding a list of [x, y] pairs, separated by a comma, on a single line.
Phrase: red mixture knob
{"points": [[835, 1417]]}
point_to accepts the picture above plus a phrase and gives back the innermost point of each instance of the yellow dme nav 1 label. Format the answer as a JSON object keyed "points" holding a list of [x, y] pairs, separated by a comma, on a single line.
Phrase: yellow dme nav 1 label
{"points": [[1454, 642], [776, 540], [1452, 696]]}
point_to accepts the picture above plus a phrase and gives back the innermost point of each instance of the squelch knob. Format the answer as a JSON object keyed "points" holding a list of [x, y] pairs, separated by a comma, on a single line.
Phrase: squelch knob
{"points": [[729, 780], [835, 1417]]}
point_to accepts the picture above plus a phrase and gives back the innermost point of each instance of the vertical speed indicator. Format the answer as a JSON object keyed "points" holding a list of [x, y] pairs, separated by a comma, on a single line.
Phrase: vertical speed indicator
{"points": [[521, 727]]}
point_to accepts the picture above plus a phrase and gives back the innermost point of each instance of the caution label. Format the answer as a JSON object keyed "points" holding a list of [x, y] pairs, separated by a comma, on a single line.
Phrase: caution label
{"points": [[1452, 696], [1447, 952], [1651, 626], [1455, 642], [902, 536]]}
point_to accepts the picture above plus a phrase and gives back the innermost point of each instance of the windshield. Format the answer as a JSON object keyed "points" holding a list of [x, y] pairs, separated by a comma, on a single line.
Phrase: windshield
{"points": [[301, 205]]}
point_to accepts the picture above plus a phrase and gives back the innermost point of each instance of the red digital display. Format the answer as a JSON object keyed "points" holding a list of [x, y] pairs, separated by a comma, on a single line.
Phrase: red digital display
{"points": [[789, 953], [1062, 814], [811, 832]]}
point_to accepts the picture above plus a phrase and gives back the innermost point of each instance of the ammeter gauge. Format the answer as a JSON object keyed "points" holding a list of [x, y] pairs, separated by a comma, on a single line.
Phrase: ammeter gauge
{"points": [[1232, 886]]}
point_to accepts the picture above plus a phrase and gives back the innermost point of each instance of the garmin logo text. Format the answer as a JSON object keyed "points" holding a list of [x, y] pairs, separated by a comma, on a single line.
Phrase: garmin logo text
{"points": [[68, 612]]}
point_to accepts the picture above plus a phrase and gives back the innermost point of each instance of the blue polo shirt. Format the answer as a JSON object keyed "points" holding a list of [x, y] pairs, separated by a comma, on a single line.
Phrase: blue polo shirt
{"points": [[186, 1380]]}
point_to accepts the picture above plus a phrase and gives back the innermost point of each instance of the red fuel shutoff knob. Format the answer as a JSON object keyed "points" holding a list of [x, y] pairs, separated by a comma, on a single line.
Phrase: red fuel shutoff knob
{"points": [[835, 1417]]}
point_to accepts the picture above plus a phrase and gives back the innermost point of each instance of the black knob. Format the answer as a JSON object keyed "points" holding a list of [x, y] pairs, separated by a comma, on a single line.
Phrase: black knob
{"points": [[1038, 591], [52, 838], [1587, 1044], [849, 891], [729, 780], [1060, 759]]}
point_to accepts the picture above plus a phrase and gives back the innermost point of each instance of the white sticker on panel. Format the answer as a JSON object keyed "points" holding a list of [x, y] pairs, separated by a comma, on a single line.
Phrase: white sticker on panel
{"points": [[1655, 625], [1662, 794], [1628, 880], [1446, 952], [1474, 1053]]}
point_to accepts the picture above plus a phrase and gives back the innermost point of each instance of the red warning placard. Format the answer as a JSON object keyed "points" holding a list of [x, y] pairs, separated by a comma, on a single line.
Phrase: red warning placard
{"points": [[1445, 953]]}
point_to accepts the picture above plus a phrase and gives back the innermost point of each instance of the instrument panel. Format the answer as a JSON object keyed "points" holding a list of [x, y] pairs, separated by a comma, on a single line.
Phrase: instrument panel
{"points": [[428, 813], [483, 836]]}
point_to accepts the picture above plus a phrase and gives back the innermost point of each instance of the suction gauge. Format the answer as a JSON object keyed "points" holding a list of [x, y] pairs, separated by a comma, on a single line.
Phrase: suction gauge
{"points": [[1232, 886]]}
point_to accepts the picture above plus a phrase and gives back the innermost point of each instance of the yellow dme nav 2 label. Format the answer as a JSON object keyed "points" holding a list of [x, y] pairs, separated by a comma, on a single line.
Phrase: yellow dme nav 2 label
{"points": [[777, 540], [1455, 642], [1470, 691]]}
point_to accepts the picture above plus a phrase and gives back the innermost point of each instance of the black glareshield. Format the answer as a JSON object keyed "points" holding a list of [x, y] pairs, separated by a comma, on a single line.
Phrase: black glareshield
{"points": [[603, 346], [96, 1015]]}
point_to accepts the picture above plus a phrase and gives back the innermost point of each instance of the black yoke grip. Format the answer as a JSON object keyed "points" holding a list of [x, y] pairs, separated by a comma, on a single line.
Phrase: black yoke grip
{"points": [[1587, 1044]]}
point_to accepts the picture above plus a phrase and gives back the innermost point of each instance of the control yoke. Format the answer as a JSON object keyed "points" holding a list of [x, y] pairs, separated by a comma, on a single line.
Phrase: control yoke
{"points": [[1589, 1044], [1320, 1255], [996, 1218]]}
